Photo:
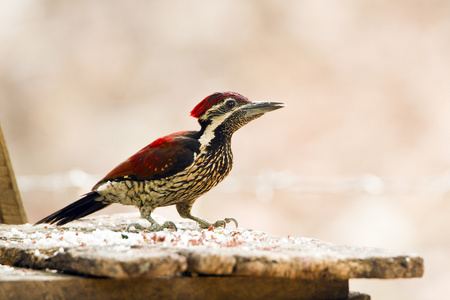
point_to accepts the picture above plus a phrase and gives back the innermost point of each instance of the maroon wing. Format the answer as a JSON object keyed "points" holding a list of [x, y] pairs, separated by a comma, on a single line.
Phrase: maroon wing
{"points": [[164, 157]]}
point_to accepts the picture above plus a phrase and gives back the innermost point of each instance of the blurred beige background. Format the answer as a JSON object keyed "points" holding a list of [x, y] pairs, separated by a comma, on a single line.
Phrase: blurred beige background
{"points": [[360, 155]]}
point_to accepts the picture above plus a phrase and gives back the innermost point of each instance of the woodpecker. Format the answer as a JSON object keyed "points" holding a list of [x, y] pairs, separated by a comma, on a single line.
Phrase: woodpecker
{"points": [[175, 169]]}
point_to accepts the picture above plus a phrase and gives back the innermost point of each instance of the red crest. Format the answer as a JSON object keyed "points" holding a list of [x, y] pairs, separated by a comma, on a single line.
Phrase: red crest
{"points": [[213, 99]]}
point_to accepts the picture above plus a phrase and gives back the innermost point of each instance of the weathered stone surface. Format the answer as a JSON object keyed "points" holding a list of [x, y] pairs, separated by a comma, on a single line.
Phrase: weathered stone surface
{"points": [[210, 262], [117, 263], [100, 247]]}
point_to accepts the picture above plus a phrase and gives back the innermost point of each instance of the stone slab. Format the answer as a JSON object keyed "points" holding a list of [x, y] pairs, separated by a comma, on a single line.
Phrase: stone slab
{"points": [[100, 247]]}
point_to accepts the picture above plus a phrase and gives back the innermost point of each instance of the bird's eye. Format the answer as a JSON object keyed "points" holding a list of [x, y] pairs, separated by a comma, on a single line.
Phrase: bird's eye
{"points": [[230, 104]]}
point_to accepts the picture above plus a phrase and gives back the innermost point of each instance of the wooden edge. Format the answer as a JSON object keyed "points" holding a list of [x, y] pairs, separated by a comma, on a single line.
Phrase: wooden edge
{"points": [[11, 206], [32, 284]]}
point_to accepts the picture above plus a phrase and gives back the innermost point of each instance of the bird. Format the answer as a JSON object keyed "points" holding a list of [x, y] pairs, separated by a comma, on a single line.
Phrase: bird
{"points": [[175, 169]]}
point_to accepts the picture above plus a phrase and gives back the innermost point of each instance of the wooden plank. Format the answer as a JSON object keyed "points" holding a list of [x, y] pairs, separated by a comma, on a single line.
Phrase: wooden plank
{"points": [[30, 284], [11, 210], [3, 170]]}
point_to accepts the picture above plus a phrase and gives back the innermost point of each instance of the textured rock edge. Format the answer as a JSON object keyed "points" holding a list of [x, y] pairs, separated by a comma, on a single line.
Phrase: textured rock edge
{"points": [[325, 262]]}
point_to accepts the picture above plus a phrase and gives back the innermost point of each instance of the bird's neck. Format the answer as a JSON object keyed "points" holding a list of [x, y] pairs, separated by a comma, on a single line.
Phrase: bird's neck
{"points": [[215, 150], [215, 136]]}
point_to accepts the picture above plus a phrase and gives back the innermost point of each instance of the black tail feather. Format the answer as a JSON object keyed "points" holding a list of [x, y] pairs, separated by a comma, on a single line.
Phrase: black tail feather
{"points": [[88, 204]]}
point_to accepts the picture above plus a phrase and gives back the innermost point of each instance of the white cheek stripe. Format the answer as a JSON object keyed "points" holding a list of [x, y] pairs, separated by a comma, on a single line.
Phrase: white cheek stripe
{"points": [[208, 135]]}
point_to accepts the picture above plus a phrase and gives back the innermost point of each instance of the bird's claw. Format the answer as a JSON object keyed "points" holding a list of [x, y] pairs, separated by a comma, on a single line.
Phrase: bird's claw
{"points": [[169, 225], [224, 222], [228, 220], [153, 227], [136, 226]]}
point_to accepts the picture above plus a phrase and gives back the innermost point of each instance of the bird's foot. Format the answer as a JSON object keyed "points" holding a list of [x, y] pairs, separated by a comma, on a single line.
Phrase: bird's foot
{"points": [[136, 226], [169, 225], [221, 223], [153, 227], [228, 220]]}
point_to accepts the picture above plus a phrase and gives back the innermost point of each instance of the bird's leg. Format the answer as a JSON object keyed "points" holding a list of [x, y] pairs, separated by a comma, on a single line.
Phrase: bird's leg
{"points": [[154, 225], [184, 209]]}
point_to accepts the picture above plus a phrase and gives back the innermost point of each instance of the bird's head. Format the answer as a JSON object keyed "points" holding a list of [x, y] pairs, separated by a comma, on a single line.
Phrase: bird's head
{"points": [[232, 110]]}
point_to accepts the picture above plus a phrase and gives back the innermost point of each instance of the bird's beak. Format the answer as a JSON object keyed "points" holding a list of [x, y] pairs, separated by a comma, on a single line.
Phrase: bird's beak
{"points": [[261, 107]]}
